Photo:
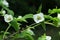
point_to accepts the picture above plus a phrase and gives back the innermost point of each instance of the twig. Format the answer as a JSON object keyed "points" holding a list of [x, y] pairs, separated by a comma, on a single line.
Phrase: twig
{"points": [[49, 23], [32, 24], [6, 30]]}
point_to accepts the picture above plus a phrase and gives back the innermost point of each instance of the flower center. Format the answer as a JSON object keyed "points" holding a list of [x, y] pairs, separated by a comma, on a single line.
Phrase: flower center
{"points": [[38, 17], [9, 18]]}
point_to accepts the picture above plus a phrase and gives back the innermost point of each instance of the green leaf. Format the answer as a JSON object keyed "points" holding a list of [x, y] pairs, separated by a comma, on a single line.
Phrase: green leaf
{"points": [[29, 37], [15, 24], [29, 31], [49, 11], [59, 22], [19, 35], [21, 20], [58, 10], [39, 9], [43, 37], [55, 21], [1, 2], [1, 37], [28, 16], [48, 17], [9, 11], [43, 25], [53, 11], [23, 34]]}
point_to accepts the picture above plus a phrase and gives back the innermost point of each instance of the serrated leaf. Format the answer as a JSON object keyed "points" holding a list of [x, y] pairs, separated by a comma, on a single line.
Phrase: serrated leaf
{"points": [[28, 16], [15, 25]]}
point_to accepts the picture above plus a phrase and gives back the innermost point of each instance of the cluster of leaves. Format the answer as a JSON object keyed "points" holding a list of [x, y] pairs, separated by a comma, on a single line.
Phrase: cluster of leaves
{"points": [[55, 20]]}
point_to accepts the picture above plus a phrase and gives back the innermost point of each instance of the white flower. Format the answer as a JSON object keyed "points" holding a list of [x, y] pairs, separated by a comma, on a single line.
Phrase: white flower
{"points": [[5, 3], [38, 17], [19, 17], [58, 16], [48, 37], [3, 12], [8, 18]]}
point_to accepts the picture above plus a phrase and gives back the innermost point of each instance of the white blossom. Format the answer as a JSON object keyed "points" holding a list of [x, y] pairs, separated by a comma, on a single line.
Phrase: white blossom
{"points": [[48, 37], [19, 17], [38, 17], [8, 18], [3, 12], [5, 3], [58, 16]]}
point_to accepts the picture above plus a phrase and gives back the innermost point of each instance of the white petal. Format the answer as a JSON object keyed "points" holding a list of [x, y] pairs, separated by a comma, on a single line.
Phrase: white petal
{"points": [[41, 14], [48, 37], [8, 18], [19, 17], [58, 16], [41, 17], [3, 12], [5, 3]]}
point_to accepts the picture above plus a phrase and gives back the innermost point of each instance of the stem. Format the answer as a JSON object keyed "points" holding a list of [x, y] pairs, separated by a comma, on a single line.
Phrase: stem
{"points": [[12, 35], [39, 24], [29, 27], [6, 30], [49, 23], [34, 26]]}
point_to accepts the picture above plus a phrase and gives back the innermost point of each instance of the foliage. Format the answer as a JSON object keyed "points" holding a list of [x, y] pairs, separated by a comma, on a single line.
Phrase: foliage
{"points": [[27, 33]]}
